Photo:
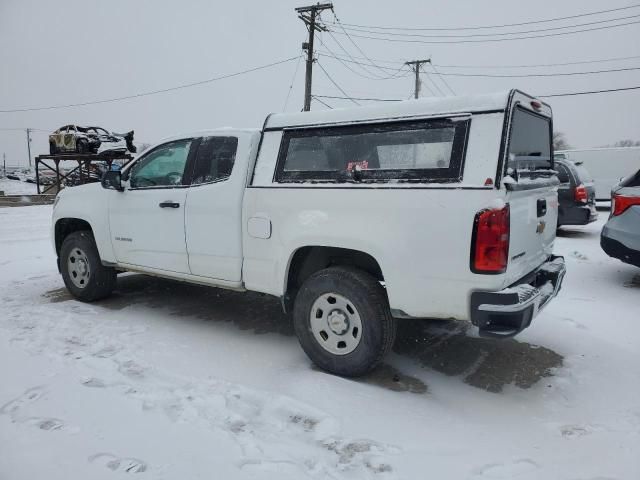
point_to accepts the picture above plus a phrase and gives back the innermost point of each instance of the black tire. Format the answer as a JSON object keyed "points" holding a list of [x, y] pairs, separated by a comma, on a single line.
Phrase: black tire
{"points": [[52, 148], [368, 297], [81, 146], [100, 281]]}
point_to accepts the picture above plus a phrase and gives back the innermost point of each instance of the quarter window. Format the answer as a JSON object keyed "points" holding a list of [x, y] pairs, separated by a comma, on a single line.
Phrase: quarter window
{"points": [[215, 159], [162, 167], [529, 142], [428, 151]]}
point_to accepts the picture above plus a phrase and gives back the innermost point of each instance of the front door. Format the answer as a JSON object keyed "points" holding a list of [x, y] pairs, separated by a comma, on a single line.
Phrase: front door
{"points": [[147, 219]]}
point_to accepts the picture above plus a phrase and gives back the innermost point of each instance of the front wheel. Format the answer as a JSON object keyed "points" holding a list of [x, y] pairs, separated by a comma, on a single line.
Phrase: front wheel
{"points": [[343, 322], [82, 271]]}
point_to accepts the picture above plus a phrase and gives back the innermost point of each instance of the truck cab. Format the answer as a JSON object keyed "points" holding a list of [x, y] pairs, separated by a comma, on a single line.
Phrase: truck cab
{"points": [[354, 218]]}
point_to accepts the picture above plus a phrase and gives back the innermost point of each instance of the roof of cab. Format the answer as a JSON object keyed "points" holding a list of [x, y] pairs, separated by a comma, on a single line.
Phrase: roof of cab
{"points": [[409, 108]]}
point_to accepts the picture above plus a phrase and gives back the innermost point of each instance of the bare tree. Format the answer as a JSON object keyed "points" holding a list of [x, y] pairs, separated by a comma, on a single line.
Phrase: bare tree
{"points": [[626, 143], [560, 141]]}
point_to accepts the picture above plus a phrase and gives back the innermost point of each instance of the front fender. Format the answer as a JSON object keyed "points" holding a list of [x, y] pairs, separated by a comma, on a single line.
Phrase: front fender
{"points": [[88, 203]]}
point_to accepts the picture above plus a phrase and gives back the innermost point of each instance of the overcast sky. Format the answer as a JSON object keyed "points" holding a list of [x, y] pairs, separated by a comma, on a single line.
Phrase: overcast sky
{"points": [[74, 51]]}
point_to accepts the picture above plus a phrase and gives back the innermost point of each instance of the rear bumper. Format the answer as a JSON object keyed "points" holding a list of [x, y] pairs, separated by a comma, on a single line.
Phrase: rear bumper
{"points": [[506, 313], [578, 215], [618, 250]]}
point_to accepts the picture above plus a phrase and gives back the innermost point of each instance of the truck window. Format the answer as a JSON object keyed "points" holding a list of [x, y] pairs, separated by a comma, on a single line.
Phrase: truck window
{"points": [[529, 144], [428, 150], [162, 167], [214, 160]]}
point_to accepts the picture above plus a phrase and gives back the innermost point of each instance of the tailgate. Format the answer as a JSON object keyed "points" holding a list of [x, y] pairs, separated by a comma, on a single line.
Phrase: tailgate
{"points": [[531, 187], [533, 218]]}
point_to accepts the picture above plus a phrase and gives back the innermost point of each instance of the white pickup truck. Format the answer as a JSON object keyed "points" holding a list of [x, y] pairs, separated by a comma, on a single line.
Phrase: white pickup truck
{"points": [[354, 218]]}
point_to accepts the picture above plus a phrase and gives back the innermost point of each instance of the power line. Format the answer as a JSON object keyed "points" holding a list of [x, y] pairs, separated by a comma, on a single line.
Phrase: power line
{"points": [[361, 64], [360, 98], [523, 75], [435, 85], [291, 85], [526, 75], [336, 85], [353, 41], [580, 62], [488, 40], [570, 94], [344, 63], [154, 92], [442, 79], [566, 94], [532, 22], [494, 34], [313, 97]]}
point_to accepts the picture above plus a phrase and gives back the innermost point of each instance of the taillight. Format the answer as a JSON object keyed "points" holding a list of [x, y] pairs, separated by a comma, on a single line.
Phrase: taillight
{"points": [[620, 203], [580, 194], [490, 241]]}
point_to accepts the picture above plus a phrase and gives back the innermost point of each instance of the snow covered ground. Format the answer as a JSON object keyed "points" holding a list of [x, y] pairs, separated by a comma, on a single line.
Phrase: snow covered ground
{"points": [[17, 187], [171, 381]]}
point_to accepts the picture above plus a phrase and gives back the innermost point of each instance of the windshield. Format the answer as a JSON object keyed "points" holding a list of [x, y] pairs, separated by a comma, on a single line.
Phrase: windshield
{"points": [[529, 144]]}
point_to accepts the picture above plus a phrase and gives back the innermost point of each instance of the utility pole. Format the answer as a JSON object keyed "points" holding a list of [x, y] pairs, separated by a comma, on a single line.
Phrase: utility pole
{"points": [[415, 66], [308, 16], [29, 145]]}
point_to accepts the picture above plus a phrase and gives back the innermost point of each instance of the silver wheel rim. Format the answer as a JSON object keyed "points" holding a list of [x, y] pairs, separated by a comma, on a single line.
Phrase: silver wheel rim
{"points": [[335, 324], [78, 268]]}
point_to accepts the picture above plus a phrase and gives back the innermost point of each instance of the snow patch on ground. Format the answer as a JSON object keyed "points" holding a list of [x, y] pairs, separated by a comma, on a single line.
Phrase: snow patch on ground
{"points": [[168, 380], [17, 187]]}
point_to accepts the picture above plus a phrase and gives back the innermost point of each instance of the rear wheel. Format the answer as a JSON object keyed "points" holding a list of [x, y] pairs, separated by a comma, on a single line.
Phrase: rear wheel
{"points": [[342, 319], [82, 271]]}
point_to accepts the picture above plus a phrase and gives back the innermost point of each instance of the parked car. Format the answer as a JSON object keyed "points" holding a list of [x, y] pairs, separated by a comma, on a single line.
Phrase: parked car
{"points": [[76, 139], [606, 165], [620, 236], [576, 194], [355, 218]]}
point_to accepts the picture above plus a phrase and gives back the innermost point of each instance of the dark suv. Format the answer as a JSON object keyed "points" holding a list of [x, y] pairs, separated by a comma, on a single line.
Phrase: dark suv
{"points": [[576, 194]]}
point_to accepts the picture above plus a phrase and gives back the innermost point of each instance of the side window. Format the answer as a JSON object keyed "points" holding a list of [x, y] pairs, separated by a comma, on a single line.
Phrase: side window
{"points": [[162, 167], [215, 159], [563, 173], [427, 150]]}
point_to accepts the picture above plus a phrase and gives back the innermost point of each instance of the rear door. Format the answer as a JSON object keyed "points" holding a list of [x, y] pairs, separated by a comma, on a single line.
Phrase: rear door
{"points": [[213, 213], [532, 191]]}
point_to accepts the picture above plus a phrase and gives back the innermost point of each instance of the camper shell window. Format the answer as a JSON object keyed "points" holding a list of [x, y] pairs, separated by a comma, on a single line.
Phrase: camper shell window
{"points": [[424, 151]]}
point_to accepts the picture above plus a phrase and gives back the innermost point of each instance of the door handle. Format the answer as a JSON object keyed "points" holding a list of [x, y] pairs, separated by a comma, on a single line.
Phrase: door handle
{"points": [[542, 207], [169, 204]]}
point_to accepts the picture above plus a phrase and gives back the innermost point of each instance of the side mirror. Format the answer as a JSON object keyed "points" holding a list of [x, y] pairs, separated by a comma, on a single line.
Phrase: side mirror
{"points": [[112, 180]]}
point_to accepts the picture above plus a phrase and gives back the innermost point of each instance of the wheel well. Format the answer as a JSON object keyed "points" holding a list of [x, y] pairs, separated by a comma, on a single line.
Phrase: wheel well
{"points": [[308, 260], [65, 227]]}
